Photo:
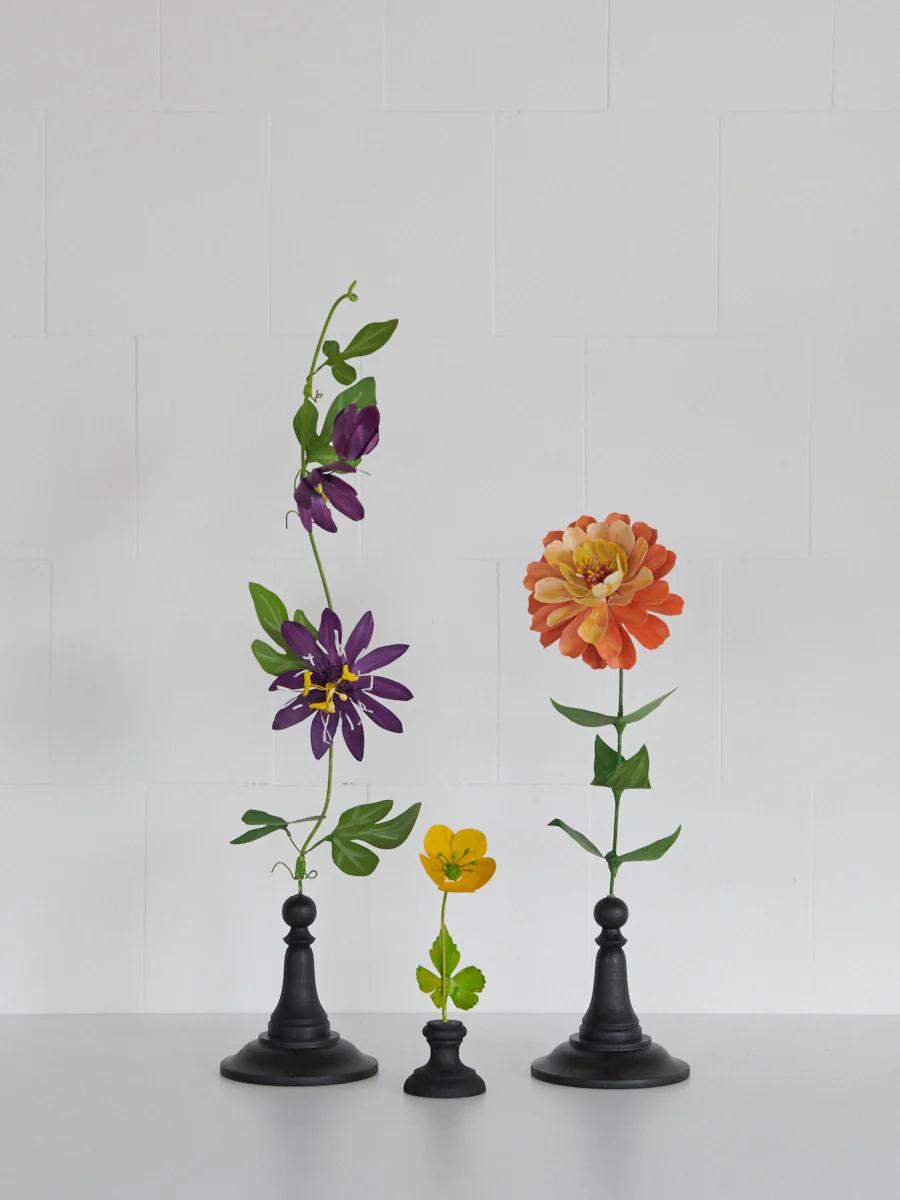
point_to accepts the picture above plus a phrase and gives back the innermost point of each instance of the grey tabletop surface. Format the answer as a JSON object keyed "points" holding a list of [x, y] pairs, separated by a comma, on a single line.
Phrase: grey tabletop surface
{"points": [[133, 1107]]}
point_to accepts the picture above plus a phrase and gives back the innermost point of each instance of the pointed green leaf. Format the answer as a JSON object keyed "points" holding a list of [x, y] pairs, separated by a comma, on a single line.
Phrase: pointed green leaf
{"points": [[270, 611], [342, 371], [583, 716], [352, 858], [271, 661], [305, 421], [606, 759], [426, 981], [252, 834], [451, 953], [391, 834], [370, 338], [633, 773], [256, 816], [362, 817], [646, 709], [301, 618], [583, 842], [650, 852], [470, 978]]}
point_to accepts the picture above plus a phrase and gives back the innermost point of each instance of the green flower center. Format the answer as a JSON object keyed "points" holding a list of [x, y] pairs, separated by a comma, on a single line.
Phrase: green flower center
{"points": [[452, 871]]}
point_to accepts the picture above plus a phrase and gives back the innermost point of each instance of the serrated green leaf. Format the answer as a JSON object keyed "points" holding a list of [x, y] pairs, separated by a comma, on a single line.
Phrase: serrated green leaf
{"points": [[470, 978], [584, 842], [583, 716], [650, 852], [606, 759], [437, 998], [426, 980], [462, 997], [256, 816], [342, 371], [645, 709], [272, 662], [390, 834], [301, 618], [270, 612], [633, 773], [305, 420], [451, 960], [370, 338], [253, 834], [352, 858]]}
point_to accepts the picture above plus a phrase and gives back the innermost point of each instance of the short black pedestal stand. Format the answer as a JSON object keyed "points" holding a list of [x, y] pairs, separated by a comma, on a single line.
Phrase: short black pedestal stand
{"points": [[299, 1048], [610, 1050], [444, 1077]]}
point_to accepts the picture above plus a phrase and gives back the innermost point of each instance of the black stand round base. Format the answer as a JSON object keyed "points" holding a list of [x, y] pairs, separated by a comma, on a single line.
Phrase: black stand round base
{"points": [[444, 1076], [264, 1061], [299, 1049], [610, 1050]]}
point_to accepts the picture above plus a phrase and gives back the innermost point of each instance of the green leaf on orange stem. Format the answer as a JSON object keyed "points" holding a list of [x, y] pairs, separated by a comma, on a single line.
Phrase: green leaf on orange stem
{"points": [[632, 773], [584, 842]]}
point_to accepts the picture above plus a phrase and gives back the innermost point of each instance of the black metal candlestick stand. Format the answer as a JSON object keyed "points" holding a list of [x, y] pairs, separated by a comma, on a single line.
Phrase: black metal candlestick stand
{"points": [[610, 1050], [299, 1048]]}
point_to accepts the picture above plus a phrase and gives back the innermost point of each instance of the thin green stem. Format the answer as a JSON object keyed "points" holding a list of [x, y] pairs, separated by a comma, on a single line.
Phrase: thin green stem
{"points": [[315, 550], [617, 796], [307, 386], [305, 848], [443, 960]]}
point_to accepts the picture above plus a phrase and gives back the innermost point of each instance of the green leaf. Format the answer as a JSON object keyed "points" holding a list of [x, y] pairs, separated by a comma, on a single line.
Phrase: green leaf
{"points": [[342, 371], [362, 817], [305, 420], [253, 834], [583, 842], [606, 759], [273, 662], [651, 852], [300, 618], [270, 611], [451, 961], [470, 978], [633, 773], [352, 858], [461, 998], [331, 349], [437, 998], [255, 816], [391, 834], [370, 338], [426, 980], [583, 716], [646, 709]]}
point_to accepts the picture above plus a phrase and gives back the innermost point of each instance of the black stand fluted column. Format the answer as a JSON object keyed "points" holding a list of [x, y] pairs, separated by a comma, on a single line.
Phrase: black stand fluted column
{"points": [[610, 1050], [299, 1047]]}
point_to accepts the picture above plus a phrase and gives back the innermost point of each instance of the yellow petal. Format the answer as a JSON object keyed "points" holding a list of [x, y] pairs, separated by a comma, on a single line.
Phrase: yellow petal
{"points": [[593, 627], [557, 552], [642, 579], [437, 841], [575, 584], [622, 535], [467, 845], [477, 875], [562, 614], [434, 869], [574, 536], [551, 590]]}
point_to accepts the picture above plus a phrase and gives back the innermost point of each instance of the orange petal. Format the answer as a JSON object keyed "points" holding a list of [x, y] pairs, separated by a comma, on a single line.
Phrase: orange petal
{"points": [[642, 529], [549, 636], [652, 633], [611, 643], [570, 643], [621, 533], [627, 656], [667, 566], [561, 613], [592, 658], [552, 590], [654, 593], [617, 516], [553, 536], [595, 623], [630, 614], [670, 607]]}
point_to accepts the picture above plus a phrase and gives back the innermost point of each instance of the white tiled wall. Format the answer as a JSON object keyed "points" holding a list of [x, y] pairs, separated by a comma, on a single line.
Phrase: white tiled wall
{"points": [[644, 257]]}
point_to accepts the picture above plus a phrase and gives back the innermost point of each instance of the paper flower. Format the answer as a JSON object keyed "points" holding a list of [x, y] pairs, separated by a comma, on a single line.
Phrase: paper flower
{"points": [[319, 490], [456, 861], [356, 431], [598, 585], [338, 683]]}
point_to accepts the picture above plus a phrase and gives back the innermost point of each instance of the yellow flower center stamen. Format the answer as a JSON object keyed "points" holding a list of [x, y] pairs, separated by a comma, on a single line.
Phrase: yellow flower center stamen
{"points": [[596, 561], [318, 488], [330, 689]]}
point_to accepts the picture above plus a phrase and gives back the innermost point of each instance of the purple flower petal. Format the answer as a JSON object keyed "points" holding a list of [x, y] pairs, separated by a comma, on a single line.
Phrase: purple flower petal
{"points": [[303, 644], [376, 659], [292, 680], [359, 638], [377, 712], [352, 729], [345, 499], [292, 714], [330, 634], [321, 514], [321, 734], [388, 688]]}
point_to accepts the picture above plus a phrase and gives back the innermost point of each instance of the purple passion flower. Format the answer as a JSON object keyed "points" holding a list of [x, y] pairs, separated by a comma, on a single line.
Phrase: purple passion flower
{"points": [[356, 431], [338, 683], [319, 490]]}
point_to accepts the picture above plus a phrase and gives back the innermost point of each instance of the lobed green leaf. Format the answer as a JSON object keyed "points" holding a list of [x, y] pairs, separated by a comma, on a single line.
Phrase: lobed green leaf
{"points": [[352, 858], [271, 661], [426, 980], [451, 961], [300, 618]]}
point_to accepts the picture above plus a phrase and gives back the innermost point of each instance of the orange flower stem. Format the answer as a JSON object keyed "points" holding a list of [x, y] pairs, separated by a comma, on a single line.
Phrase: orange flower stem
{"points": [[617, 796], [443, 960]]}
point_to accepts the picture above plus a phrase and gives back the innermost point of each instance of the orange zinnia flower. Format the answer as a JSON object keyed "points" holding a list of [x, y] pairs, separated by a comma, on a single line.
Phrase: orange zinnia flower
{"points": [[598, 584]]}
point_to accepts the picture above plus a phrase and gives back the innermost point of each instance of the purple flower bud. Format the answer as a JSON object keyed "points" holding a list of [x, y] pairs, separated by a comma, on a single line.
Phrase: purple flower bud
{"points": [[356, 431]]}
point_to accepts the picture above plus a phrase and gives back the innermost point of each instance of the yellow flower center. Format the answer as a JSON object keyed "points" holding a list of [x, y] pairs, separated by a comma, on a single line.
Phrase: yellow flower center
{"points": [[330, 689], [318, 488], [596, 561]]}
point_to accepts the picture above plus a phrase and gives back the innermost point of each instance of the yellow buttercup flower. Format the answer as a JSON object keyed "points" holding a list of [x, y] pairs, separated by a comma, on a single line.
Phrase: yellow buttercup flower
{"points": [[456, 861]]}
